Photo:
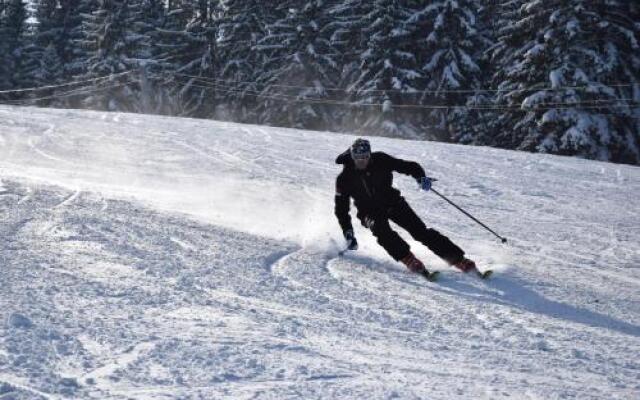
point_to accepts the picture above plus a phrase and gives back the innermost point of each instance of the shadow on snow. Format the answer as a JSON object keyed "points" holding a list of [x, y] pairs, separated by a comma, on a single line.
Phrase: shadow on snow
{"points": [[513, 292], [507, 290]]}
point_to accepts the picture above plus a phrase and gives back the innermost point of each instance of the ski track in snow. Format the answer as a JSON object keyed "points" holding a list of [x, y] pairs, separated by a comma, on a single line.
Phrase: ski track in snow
{"points": [[160, 258]]}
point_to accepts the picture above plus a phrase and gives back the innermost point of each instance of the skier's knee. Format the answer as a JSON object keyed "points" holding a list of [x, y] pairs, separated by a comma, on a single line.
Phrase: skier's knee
{"points": [[380, 228], [425, 235], [430, 233], [420, 232]]}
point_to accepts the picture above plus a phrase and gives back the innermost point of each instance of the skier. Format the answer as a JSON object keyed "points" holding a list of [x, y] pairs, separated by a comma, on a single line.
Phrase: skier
{"points": [[367, 178]]}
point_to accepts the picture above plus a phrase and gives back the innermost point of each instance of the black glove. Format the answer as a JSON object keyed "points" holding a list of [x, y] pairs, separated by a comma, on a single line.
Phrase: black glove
{"points": [[352, 243]]}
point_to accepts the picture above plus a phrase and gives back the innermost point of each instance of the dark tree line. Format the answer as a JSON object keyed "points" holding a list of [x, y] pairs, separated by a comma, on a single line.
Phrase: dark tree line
{"points": [[555, 76]]}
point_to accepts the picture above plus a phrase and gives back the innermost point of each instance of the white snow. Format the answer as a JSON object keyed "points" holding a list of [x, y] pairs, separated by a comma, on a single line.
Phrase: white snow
{"points": [[535, 51], [161, 258], [556, 77], [19, 321]]}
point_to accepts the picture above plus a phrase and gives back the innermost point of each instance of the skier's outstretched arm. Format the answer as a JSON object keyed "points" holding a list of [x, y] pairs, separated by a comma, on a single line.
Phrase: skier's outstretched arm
{"points": [[342, 204], [406, 167]]}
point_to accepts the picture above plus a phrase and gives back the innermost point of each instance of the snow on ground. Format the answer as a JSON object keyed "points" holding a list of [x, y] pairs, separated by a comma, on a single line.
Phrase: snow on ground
{"points": [[159, 258]]}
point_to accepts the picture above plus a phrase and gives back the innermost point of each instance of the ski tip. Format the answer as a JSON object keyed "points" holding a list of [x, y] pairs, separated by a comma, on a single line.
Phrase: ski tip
{"points": [[432, 276], [486, 274]]}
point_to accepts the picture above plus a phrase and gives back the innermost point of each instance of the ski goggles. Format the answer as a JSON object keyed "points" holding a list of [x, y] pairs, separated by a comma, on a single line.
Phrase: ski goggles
{"points": [[360, 156], [361, 150]]}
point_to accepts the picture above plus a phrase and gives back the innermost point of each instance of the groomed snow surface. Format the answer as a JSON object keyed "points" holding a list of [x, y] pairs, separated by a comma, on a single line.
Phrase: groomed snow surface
{"points": [[160, 258]]}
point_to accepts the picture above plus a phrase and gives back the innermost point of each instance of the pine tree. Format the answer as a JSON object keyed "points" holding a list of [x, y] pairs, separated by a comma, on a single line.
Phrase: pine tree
{"points": [[114, 43], [40, 63], [561, 66], [301, 65], [350, 41], [488, 17], [348, 35], [48, 26], [634, 15], [493, 16], [4, 49], [76, 49], [189, 55], [450, 41], [13, 40], [389, 74], [170, 38], [242, 26], [153, 95], [152, 14]]}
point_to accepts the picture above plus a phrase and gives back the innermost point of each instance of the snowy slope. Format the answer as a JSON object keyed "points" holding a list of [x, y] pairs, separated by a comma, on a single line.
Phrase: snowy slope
{"points": [[146, 257]]}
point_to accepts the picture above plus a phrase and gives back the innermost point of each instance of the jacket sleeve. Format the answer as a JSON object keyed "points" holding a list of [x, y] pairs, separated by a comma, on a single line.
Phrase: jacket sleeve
{"points": [[405, 167], [342, 204]]}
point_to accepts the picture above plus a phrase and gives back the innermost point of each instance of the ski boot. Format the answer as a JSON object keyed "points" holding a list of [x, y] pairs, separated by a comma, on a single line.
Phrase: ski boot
{"points": [[465, 265], [416, 266]]}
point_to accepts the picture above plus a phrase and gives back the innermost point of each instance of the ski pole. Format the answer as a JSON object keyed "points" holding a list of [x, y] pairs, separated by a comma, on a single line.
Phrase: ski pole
{"points": [[504, 240]]}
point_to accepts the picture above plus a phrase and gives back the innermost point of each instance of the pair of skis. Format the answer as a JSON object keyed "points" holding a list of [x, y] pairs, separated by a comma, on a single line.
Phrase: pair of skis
{"points": [[433, 276]]}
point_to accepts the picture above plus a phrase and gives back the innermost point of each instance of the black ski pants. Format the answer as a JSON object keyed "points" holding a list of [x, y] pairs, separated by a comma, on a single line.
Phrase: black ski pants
{"points": [[405, 217]]}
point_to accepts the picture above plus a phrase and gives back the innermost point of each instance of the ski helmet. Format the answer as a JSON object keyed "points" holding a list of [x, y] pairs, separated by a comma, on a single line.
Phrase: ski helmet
{"points": [[360, 149]]}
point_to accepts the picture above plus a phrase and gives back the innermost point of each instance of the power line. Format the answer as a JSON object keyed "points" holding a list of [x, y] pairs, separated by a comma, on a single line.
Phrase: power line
{"points": [[224, 84], [226, 88], [587, 104], [72, 92], [414, 92], [290, 98], [35, 89]]}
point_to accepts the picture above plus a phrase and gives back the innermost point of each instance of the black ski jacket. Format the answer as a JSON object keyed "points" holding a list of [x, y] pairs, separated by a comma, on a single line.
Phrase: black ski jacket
{"points": [[372, 188]]}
